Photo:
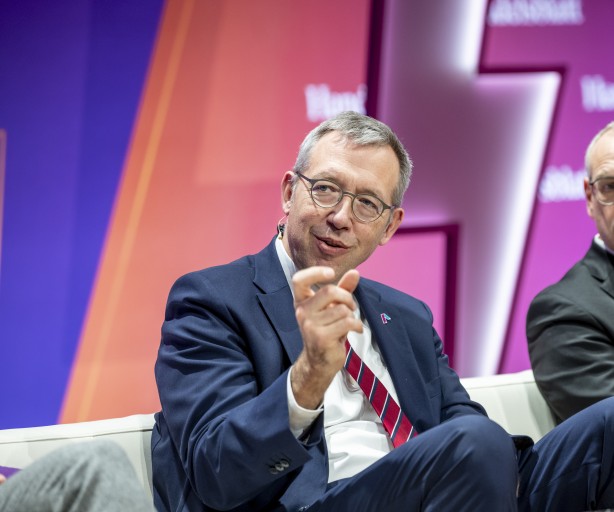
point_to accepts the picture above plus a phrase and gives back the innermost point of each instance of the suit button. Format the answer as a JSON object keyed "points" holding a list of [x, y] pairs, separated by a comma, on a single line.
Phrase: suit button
{"points": [[277, 466]]}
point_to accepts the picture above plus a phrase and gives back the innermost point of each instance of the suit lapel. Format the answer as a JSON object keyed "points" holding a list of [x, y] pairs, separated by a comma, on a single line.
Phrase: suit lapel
{"points": [[392, 337], [601, 264], [276, 300], [394, 342]]}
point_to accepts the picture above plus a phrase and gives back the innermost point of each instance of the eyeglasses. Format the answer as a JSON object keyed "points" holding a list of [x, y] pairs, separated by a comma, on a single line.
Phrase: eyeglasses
{"points": [[326, 193], [604, 190]]}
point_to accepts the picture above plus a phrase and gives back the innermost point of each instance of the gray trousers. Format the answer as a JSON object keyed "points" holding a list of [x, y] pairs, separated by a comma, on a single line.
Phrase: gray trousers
{"points": [[86, 477]]}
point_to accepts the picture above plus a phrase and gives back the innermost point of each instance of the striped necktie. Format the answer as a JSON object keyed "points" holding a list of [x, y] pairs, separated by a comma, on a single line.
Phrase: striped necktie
{"points": [[395, 422]]}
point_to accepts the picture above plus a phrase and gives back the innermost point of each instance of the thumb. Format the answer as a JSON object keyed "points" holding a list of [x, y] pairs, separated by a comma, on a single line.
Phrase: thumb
{"points": [[349, 280]]}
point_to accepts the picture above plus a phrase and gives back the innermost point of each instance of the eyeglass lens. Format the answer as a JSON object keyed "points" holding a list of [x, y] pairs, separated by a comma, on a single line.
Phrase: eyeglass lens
{"points": [[328, 194], [605, 190]]}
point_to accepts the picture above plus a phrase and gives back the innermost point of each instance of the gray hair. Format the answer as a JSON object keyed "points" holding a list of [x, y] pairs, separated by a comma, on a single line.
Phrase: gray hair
{"points": [[591, 147], [360, 130]]}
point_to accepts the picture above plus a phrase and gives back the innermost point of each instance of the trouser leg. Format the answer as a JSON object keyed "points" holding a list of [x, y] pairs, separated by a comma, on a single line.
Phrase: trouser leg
{"points": [[572, 467], [90, 476], [466, 464]]}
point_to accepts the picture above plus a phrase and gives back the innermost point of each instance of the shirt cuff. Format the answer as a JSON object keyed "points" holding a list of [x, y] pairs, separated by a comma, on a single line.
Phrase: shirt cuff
{"points": [[300, 418]]}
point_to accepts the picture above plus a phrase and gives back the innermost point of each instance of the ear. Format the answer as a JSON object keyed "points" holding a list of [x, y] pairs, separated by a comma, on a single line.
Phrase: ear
{"points": [[588, 193], [393, 225], [286, 191]]}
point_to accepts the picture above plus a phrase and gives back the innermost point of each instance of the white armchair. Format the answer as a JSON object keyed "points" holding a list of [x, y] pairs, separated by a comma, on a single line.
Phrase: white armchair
{"points": [[21, 446], [512, 400]]}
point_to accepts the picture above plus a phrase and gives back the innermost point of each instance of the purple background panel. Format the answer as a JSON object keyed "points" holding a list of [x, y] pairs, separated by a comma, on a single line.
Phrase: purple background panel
{"points": [[416, 262], [560, 230], [477, 142]]}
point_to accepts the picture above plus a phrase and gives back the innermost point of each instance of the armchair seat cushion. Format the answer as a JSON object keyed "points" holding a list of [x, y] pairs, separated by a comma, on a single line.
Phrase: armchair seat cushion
{"points": [[512, 400]]}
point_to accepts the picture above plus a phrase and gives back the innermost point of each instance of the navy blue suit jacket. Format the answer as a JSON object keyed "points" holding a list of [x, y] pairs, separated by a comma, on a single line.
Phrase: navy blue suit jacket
{"points": [[222, 440]]}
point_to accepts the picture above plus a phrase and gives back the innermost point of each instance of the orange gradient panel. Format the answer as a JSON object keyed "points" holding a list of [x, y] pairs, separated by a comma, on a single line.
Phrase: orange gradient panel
{"points": [[221, 118]]}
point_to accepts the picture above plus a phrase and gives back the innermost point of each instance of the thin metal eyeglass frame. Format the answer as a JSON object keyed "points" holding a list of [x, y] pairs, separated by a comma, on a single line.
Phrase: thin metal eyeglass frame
{"points": [[592, 183], [312, 182]]}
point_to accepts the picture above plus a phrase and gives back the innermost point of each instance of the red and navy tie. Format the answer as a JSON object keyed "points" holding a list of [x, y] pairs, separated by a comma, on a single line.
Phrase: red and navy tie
{"points": [[395, 422]]}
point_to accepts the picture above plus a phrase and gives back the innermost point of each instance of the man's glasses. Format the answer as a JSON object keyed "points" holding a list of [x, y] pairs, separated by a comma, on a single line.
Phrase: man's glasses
{"points": [[603, 189], [326, 193]]}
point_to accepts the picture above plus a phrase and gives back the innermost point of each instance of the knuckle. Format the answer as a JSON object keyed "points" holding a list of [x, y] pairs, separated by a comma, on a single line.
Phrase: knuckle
{"points": [[308, 324], [300, 314], [296, 279], [325, 291]]}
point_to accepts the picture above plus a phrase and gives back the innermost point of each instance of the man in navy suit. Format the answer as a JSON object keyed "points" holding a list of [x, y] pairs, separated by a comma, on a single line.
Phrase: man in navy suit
{"points": [[259, 412]]}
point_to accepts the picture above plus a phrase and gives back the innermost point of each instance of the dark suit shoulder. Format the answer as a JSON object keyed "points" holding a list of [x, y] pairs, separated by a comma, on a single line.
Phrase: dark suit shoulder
{"points": [[220, 289], [569, 284], [569, 333], [239, 269]]}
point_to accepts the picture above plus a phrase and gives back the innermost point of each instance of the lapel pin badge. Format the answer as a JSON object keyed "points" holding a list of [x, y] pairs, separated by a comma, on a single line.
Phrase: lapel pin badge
{"points": [[385, 318]]}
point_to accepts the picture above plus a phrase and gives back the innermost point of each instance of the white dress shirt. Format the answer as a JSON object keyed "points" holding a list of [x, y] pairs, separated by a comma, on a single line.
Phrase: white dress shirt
{"points": [[599, 241], [355, 435]]}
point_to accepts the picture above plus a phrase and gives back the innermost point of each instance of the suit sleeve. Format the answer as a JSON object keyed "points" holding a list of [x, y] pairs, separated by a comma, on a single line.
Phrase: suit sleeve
{"points": [[455, 399], [571, 354], [220, 420]]}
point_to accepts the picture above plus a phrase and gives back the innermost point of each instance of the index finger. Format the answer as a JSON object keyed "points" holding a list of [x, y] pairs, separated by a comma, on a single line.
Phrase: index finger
{"points": [[305, 279]]}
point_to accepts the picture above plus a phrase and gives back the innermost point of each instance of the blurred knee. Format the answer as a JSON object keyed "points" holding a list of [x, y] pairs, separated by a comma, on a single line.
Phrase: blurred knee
{"points": [[484, 444], [105, 449], [97, 455], [477, 458]]}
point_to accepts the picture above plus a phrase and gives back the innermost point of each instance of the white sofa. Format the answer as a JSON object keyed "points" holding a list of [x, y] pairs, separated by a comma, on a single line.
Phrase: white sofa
{"points": [[512, 400]]}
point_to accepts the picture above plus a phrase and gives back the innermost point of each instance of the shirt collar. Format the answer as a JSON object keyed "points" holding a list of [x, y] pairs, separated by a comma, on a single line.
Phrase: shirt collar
{"points": [[287, 264], [599, 241]]}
